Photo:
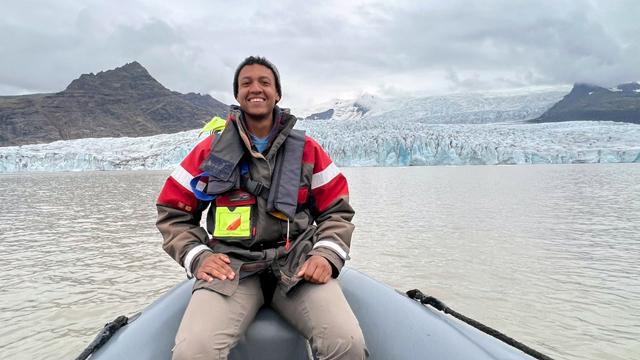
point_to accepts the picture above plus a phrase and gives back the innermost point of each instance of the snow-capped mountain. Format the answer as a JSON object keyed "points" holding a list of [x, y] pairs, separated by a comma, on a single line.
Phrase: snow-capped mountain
{"points": [[469, 108], [350, 109]]}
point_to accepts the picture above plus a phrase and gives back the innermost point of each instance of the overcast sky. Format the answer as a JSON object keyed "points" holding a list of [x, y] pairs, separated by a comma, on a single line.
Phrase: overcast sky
{"points": [[324, 49]]}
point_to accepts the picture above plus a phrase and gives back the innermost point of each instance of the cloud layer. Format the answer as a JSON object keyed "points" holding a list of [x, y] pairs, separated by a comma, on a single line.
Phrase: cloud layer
{"points": [[324, 49]]}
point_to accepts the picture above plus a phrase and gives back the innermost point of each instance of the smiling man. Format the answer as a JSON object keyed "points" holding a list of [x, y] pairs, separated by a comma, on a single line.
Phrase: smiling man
{"points": [[278, 228]]}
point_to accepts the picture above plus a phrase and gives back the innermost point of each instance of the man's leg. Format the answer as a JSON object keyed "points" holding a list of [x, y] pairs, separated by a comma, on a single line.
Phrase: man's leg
{"points": [[321, 313], [213, 324]]}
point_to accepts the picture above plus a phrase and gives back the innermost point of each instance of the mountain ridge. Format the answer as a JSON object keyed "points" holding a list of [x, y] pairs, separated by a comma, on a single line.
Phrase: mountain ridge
{"points": [[125, 101], [488, 107], [591, 102]]}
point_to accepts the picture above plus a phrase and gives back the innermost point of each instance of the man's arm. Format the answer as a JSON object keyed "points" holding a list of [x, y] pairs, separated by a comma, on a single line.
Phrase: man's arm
{"points": [[184, 238], [179, 214], [333, 216], [185, 241]]}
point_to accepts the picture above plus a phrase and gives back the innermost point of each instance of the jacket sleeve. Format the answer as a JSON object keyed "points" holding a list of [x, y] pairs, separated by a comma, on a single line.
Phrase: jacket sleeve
{"points": [[180, 212], [331, 209]]}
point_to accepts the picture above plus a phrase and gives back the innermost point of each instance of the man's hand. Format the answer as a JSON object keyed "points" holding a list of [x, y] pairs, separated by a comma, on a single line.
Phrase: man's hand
{"points": [[215, 266], [316, 270]]}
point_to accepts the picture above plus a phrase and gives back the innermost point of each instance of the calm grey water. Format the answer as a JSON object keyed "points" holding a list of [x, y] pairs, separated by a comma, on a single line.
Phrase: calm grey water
{"points": [[550, 255]]}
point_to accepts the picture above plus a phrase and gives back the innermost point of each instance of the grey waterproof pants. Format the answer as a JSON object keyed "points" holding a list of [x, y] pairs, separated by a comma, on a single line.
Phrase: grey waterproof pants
{"points": [[213, 324]]}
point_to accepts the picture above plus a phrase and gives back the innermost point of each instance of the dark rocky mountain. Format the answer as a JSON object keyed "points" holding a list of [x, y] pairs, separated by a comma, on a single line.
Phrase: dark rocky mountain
{"points": [[590, 102], [324, 115], [125, 101]]}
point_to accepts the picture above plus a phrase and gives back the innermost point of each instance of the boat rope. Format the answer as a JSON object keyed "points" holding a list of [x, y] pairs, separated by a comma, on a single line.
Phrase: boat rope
{"points": [[439, 305], [107, 332]]}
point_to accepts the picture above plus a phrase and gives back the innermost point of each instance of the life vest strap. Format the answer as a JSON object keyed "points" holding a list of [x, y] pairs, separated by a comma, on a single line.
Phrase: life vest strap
{"points": [[254, 187]]}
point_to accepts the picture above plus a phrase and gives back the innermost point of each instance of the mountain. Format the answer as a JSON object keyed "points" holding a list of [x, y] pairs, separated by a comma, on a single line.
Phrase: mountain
{"points": [[340, 109], [590, 102], [126, 101], [463, 108]]}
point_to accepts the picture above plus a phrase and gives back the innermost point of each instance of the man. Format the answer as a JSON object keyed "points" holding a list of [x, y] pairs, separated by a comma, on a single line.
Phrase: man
{"points": [[266, 185]]}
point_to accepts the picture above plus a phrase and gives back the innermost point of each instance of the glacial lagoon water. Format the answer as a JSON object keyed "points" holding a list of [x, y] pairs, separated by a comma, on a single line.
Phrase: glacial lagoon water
{"points": [[548, 254]]}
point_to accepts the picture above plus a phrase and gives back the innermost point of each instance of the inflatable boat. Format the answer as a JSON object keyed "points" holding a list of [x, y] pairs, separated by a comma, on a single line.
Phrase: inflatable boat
{"points": [[395, 326]]}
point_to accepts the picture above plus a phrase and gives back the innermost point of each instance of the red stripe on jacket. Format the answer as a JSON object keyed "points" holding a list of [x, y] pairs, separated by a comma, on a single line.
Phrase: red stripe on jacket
{"points": [[333, 190], [175, 195], [179, 195]]}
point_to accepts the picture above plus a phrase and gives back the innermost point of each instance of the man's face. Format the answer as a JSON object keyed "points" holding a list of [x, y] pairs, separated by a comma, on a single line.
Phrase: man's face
{"points": [[257, 94]]}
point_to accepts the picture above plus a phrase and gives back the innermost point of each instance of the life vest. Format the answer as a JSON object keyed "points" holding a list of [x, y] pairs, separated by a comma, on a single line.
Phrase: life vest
{"points": [[234, 195]]}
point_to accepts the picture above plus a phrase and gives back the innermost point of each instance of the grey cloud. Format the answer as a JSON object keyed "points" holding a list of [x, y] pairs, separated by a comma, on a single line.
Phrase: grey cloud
{"points": [[560, 42], [326, 48]]}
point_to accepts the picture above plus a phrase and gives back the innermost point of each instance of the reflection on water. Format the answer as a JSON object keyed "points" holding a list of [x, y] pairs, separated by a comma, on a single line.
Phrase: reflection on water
{"points": [[548, 254]]}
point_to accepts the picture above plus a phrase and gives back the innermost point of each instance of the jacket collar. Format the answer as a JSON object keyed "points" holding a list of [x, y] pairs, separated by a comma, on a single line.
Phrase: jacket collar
{"points": [[283, 122]]}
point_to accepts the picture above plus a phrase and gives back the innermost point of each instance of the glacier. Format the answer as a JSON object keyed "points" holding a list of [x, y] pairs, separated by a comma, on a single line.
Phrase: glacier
{"points": [[458, 129], [415, 144], [361, 143]]}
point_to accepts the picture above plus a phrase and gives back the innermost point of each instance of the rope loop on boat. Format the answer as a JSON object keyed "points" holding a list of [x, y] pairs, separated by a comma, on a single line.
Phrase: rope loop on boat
{"points": [[417, 295], [107, 332]]}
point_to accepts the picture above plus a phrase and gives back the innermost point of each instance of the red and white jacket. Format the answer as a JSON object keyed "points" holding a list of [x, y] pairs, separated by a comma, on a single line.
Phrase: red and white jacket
{"points": [[323, 190]]}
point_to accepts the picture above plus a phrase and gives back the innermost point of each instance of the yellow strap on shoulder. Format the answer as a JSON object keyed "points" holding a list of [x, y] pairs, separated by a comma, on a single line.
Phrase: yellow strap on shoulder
{"points": [[216, 124]]}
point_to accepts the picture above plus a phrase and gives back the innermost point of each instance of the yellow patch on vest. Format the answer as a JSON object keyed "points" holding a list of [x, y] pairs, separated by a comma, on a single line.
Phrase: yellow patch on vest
{"points": [[233, 222]]}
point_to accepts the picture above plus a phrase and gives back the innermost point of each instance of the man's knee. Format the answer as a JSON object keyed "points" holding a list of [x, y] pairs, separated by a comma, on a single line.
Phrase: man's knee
{"points": [[201, 348], [345, 344]]}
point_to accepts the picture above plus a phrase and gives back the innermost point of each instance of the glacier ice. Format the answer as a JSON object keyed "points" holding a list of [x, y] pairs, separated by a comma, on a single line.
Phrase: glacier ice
{"points": [[152, 152], [407, 144], [365, 142], [455, 129]]}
